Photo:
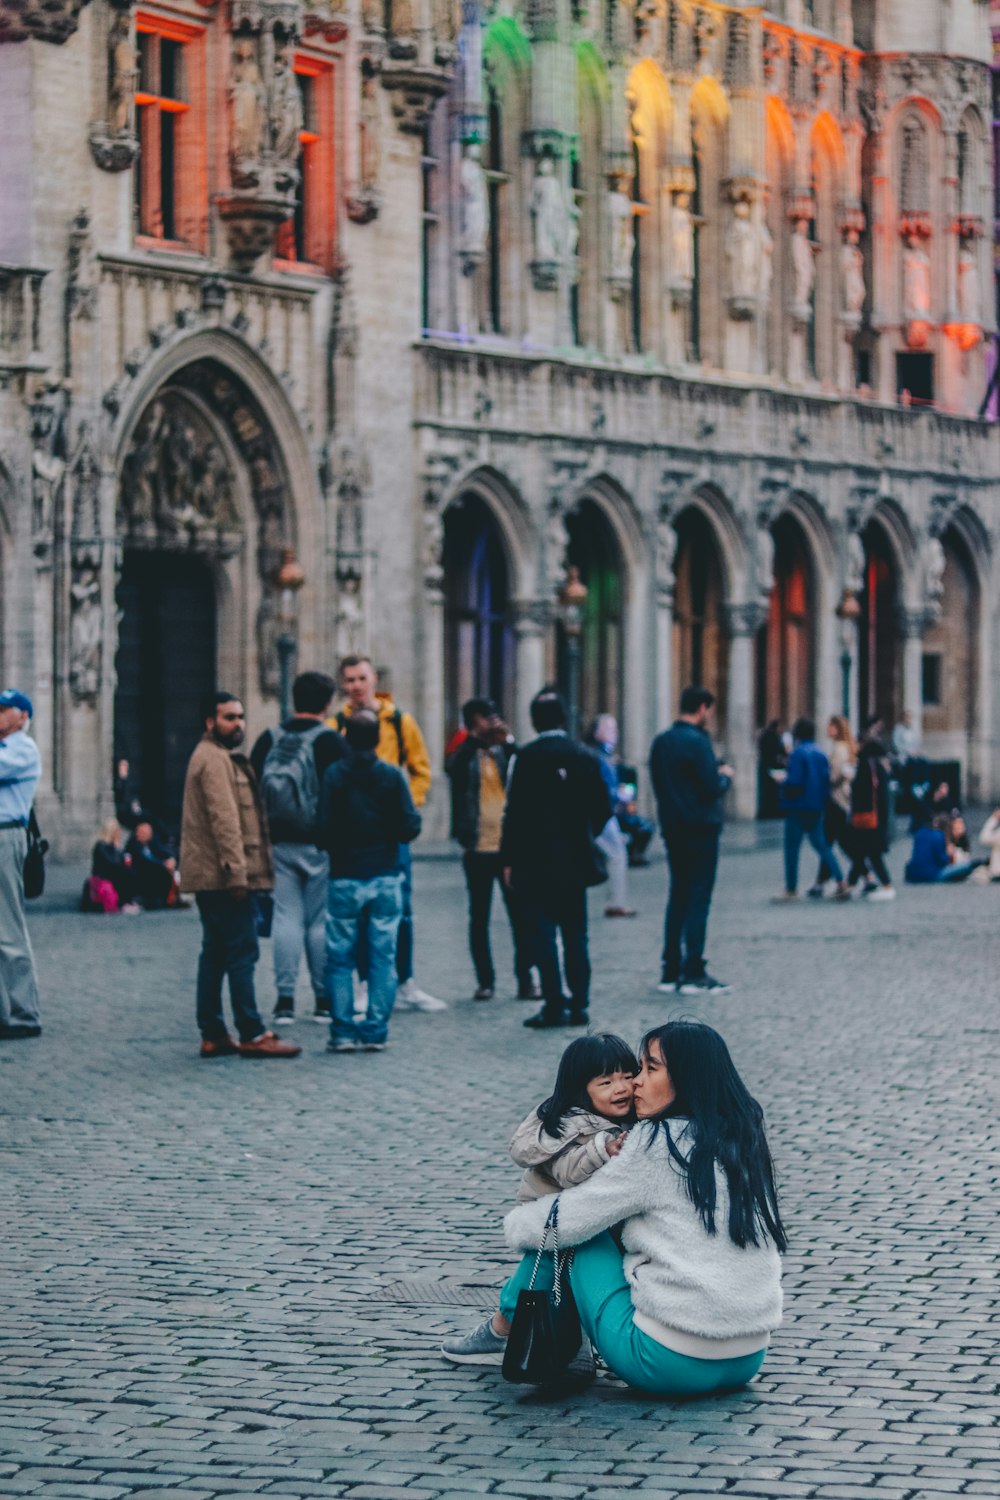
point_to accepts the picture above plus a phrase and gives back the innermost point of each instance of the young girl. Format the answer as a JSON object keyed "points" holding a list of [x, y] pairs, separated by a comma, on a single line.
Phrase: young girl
{"points": [[580, 1126]]}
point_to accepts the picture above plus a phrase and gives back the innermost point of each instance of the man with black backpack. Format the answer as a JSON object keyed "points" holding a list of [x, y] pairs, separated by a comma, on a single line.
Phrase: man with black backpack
{"points": [[290, 765]]}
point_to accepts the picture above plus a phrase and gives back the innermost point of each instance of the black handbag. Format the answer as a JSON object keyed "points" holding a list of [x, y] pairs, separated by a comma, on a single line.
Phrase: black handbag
{"points": [[263, 912], [545, 1334], [34, 860]]}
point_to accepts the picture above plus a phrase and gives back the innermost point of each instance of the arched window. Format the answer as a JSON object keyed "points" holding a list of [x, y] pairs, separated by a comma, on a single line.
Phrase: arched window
{"points": [[786, 662], [593, 548]]}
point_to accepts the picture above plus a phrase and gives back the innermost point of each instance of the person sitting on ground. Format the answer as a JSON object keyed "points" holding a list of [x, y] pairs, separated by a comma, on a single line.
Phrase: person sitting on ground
{"points": [[154, 868], [958, 833], [989, 835], [935, 859], [692, 1307], [109, 886]]}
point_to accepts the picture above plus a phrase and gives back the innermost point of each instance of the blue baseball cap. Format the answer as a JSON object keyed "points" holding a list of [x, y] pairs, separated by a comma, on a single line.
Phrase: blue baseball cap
{"points": [[12, 698]]}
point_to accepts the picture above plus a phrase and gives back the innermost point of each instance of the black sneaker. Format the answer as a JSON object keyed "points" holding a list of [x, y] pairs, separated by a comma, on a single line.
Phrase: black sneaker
{"points": [[705, 985], [544, 1019], [578, 1018], [284, 1011]]}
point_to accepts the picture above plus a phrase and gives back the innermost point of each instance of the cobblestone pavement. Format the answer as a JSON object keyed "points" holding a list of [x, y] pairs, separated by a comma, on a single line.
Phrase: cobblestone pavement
{"points": [[231, 1278]]}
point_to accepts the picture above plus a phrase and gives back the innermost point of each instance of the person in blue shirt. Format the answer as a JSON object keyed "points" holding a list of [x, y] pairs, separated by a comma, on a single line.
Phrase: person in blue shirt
{"points": [[20, 768], [931, 861], [804, 795]]}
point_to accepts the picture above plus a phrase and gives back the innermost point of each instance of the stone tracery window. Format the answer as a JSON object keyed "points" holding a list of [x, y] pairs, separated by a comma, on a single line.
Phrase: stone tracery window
{"points": [[914, 165]]}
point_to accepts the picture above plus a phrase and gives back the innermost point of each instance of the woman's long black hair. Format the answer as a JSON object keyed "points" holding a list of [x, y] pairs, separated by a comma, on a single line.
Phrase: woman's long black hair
{"points": [[727, 1126], [587, 1058]]}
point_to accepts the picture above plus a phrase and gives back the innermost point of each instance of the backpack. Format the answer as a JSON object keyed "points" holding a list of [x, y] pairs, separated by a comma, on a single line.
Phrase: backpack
{"points": [[289, 782], [397, 724]]}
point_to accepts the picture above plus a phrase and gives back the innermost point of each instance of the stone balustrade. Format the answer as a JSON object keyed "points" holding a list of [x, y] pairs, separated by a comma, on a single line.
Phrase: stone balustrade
{"points": [[535, 395]]}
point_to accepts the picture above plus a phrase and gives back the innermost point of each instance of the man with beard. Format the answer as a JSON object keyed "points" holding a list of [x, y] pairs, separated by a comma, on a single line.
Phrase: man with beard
{"points": [[225, 858]]}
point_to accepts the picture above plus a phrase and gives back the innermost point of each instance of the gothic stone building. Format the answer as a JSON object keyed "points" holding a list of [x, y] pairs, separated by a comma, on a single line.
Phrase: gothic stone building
{"points": [[694, 298]]}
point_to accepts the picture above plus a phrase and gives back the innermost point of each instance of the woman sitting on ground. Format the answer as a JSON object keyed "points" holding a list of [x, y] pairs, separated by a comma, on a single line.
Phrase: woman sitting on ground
{"points": [[935, 858], [690, 1309], [110, 887]]}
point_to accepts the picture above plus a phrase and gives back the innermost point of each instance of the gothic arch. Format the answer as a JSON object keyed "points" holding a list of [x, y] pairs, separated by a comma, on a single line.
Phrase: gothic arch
{"points": [[619, 511], [809, 513], [506, 505], [713, 504], [890, 516]]}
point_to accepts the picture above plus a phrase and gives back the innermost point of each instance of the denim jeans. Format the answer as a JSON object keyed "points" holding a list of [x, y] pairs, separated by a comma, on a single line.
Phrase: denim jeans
{"points": [[404, 941], [693, 856], [376, 907], [301, 876], [811, 826], [229, 946], [604, 1302]]}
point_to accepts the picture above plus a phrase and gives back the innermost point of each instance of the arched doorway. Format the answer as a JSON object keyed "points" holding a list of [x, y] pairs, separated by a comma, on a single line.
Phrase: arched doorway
{"points": [[594, 549], [165, 666], [880, 664], [786, 648], [699, 651], [479, 638], [950, 664], [203, 514]]}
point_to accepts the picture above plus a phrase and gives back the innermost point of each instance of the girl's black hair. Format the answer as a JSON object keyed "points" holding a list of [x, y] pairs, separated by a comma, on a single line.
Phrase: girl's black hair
{"points": [[727, 1127], [587, 1058]]}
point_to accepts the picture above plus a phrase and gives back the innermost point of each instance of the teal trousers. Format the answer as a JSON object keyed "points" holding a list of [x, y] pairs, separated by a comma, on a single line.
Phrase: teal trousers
{"points": [[605, 1305]]}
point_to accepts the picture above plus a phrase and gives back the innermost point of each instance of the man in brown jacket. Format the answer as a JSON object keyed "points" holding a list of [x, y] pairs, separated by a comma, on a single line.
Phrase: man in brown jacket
{"points": [[225, 856]]}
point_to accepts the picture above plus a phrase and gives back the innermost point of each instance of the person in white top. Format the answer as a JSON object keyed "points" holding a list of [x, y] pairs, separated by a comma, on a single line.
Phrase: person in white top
{"points": [[20, 768], [690, 1308]]}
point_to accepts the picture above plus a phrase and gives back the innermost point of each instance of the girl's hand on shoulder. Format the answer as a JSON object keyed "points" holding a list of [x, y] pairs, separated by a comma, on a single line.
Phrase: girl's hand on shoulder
{"points": [[615, 1144]]}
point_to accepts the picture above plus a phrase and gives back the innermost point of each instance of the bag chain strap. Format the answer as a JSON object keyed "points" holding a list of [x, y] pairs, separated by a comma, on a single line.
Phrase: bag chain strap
{"points": [[561, 1263]]}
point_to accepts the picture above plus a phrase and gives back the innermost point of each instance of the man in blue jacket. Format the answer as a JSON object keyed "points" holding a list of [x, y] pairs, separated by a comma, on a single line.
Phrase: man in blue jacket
{"points": [[804, 795], [689, 784]]}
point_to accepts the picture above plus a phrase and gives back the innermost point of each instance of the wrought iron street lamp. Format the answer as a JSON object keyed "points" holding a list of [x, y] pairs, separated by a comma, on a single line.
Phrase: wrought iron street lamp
{"points": [[288, 579], [572, 599], [848, 613]]}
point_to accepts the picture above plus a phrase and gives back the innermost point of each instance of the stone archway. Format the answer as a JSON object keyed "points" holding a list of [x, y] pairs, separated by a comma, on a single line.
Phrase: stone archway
{"points": [[594, 549], [203, 512], [479, 642], [700, 649], [880, 655], [786, 644]]}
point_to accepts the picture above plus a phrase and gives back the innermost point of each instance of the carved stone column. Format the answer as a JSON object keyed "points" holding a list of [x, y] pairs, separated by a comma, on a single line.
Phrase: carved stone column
{"points": [[743, 622]]}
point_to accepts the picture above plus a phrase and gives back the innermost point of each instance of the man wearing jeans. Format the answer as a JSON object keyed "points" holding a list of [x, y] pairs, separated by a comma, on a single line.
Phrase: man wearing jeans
{"points": [[804, 795], [689, 784], [225, 858], [366, 814]]}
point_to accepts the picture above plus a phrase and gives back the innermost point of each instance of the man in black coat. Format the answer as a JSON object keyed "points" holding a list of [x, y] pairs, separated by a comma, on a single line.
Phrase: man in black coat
{"points": [[557, 804], [689, 784]]}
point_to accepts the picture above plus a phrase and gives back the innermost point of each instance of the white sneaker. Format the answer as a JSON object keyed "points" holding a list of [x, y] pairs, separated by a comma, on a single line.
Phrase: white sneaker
{"points": [[410, 996], [884, 893], [360, 998]]}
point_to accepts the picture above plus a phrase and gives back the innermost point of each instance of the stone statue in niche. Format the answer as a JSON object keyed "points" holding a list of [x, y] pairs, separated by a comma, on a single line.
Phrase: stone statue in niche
{"points": [[764, 559], [556, 542], [122, 74], [969, 297], [369, 142], [852, 275], [473, 205], [803, 271], [681, 243], [248, 101], [916, 282], [621, 233], [854, 577], [549, 218], [433, 545], [743, 254], [47, 464], [666, 551], [286, 109], [934, 566], [766, 264], [86, 633]]}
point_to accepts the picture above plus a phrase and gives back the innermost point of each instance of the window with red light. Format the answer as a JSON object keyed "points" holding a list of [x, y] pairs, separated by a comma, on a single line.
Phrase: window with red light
{"points": [[171, 195], [308, 237]]}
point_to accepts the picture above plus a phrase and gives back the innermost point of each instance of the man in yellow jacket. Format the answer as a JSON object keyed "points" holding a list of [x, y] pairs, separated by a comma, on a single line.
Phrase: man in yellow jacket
{"points": [[400, 744]]}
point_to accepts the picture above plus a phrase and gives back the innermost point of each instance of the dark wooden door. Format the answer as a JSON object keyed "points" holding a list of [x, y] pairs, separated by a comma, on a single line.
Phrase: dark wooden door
{"points": [[165, 665]]}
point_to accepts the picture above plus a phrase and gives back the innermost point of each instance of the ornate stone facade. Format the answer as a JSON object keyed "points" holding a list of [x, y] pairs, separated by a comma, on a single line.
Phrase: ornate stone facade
{"points": [[692, 298]]}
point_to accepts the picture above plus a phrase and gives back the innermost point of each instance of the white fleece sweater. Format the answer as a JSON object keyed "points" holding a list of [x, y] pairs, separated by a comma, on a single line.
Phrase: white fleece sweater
{"points": [[680, 1277]]}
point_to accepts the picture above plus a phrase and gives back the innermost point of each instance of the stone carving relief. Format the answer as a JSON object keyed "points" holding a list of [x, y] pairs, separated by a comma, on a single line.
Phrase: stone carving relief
{"points": [[473, 207], [766, 263], [113, 141], [934, 566], [86, 630], [803, 272], [854, 571], [666, 551], [852, 277], [621, 232], [285, 118], [248, 105], [48, 460], [556, 543], [743, 255], [81, 278], [177, 488], [970, 302], [364, 203], [916, 291], [43, 20]]}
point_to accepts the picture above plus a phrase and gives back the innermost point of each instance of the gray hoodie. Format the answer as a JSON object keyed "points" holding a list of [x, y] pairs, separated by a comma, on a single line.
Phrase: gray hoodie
{"points": [[553, 1162]]}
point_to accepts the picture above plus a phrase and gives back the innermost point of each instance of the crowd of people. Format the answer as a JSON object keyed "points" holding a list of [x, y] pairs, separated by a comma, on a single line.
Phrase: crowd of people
{"points": [[845, 797]]}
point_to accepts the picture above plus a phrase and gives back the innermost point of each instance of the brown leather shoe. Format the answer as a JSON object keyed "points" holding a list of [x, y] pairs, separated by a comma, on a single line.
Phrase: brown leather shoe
{"points": [[268, 1045], [222, 1047]]}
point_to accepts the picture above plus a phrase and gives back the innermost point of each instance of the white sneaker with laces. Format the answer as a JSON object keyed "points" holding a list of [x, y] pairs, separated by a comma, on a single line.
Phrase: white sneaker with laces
{"points": [[883, 893], [409, 996]]}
